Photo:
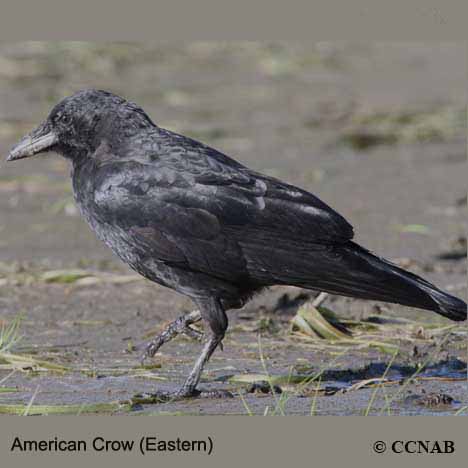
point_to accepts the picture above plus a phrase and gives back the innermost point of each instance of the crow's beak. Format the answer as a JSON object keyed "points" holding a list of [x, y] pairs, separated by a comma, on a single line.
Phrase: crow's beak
{"points": [[38, 141]]}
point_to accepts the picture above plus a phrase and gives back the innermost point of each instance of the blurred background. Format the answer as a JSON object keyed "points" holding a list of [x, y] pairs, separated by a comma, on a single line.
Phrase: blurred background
{"points": [[378, 131]]}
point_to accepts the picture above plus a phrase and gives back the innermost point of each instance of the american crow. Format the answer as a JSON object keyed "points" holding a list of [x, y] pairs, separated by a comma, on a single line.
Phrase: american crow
{"points": [[188, 217]]}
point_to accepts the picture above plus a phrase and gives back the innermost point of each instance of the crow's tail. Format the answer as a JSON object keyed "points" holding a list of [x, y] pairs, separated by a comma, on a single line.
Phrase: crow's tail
{"points": [[351, 270]]}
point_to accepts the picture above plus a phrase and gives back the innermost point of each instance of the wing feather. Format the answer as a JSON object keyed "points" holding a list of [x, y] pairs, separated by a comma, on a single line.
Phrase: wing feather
{"points": [[207, 211]]}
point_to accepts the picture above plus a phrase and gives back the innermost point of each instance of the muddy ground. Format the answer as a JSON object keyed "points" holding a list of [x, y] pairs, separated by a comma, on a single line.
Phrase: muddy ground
{"points": [[377, 131]]}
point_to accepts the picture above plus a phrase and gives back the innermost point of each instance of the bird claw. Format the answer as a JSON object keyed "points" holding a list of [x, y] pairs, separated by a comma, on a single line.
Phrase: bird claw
{"points": [[216, 394], [151, 349], [151, 398], [181, 325], [192, 333], [181, 394]]}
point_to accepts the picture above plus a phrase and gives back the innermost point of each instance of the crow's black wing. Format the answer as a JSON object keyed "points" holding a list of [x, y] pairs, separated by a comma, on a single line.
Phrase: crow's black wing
{"points": [[194, 206], [236, 193]]}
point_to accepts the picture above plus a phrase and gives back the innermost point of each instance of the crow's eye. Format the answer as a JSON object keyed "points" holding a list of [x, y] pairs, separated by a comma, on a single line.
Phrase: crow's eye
{"points": [[61, 118]]}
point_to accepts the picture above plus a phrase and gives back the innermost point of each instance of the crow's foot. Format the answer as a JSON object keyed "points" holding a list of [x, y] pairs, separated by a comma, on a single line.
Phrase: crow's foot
{"points": [[182, 394], [181, 325], [216, 394]]}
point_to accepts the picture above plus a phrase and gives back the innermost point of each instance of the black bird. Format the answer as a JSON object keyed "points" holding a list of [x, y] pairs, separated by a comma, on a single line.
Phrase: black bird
{"points": [[188, 217]]}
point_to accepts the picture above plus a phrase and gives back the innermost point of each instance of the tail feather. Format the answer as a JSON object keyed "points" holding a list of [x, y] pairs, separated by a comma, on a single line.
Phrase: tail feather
{"points": [[351, 270], [449, 306]]}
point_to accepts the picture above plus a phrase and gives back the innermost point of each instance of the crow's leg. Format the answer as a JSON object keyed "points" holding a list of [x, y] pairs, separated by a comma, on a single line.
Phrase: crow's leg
{"points": [[181, 325], [215, 317]]}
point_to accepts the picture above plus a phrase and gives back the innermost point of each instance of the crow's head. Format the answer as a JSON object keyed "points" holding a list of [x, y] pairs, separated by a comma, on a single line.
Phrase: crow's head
{"points": [[78, 124]]}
